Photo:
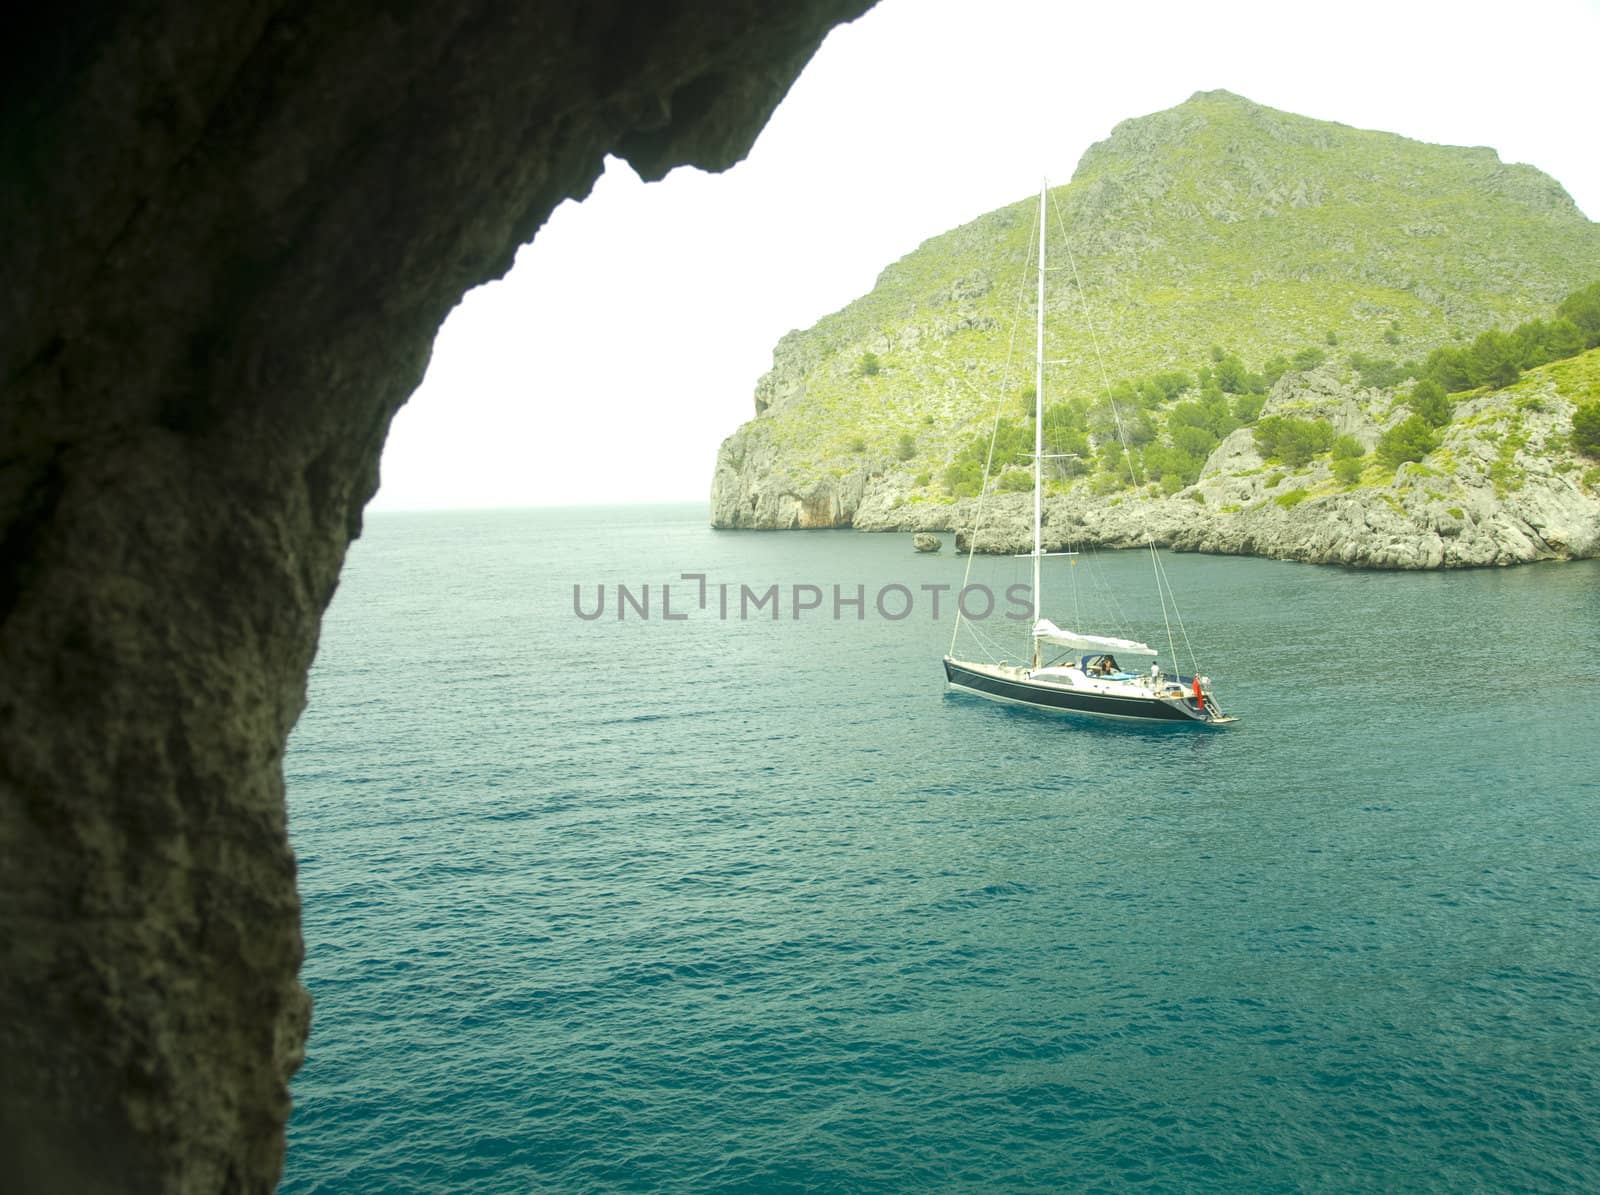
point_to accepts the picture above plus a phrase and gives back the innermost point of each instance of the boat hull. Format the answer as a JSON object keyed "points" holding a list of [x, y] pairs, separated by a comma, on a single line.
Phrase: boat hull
{"points": [[1060, 699]]}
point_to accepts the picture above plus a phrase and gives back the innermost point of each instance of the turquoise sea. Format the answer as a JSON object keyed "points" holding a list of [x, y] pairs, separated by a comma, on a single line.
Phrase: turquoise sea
{"points": [[743, 905]]}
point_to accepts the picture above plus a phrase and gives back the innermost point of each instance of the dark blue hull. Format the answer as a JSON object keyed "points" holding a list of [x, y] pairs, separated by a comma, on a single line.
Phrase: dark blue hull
{"points": [[1068, 701]]}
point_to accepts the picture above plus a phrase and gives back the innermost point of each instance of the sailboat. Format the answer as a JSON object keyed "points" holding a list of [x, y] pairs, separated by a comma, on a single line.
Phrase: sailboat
{"points": [[1070, 670]]}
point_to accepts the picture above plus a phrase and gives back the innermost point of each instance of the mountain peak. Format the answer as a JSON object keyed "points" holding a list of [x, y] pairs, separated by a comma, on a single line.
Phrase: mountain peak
{"points": [[1222, 96], [1236, 160]]}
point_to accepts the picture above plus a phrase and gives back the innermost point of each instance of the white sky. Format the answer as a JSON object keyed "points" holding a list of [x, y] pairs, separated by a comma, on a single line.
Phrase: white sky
{"points": [[626, 343]]}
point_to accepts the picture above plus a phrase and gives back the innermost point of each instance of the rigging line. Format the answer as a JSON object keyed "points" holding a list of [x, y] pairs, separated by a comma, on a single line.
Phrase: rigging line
{"points": [[1108, 598], [994, 430], [1094, 340], [1105, 378], [1155, 560], [976, 629], [984, 644], [1194, 663], [995, 647], [1182, 630], [991, 647]]}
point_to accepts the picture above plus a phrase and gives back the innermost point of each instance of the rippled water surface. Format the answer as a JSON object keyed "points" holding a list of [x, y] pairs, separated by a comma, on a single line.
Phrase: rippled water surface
{"points": [[706, 905]]}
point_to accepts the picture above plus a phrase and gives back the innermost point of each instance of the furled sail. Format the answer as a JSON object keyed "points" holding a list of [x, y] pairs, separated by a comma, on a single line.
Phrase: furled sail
{"points": [[1046, 631]]}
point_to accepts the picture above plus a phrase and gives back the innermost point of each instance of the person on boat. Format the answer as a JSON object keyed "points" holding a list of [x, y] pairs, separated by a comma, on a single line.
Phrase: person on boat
{"points": [[1106, 666]]}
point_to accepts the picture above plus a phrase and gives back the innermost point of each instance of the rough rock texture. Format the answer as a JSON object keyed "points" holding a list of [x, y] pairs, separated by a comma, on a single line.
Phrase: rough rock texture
{"points": [[231, 232], [924, 542], [1504, 499], [1468, 518], [753, 488]]}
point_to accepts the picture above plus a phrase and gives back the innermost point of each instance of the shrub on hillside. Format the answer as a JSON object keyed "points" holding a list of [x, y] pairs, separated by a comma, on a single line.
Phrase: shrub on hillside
{"points": [[1247, 408], [1582, 308], [1586, 429], [1448, 366], [1065, 441], [1495, 360], [1538, 342], [1232, 375], [963, 478], [1213, 412], [1072, 416], [1293, 441], [1163, 461], [1163, 387], [1349, 459], [1377, 373], [1194, 441], [1347, 448], [1408, 441], [1274, 369], [1429, 400], [1016, 480]]}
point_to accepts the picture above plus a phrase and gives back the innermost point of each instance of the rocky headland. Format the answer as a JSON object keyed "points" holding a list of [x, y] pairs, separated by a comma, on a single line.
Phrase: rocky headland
{"points": [[1217, 232], [1501, 489]]}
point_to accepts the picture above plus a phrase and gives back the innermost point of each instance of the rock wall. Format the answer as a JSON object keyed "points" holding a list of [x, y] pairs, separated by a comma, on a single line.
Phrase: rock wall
{"points": [[1218, 222], [1512, 494], [753, 488], [232, 231]]}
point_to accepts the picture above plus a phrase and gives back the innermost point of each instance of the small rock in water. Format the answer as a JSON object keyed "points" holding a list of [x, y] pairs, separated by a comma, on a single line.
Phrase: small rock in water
{"points": [[924, 542]]}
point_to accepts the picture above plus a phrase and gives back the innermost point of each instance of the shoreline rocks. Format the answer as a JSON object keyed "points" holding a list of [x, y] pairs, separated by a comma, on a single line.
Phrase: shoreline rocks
{"points": [[1500, 489]]}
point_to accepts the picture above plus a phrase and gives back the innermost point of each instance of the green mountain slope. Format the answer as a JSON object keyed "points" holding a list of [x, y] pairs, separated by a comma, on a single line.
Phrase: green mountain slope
{"points": [[1218, 222]]}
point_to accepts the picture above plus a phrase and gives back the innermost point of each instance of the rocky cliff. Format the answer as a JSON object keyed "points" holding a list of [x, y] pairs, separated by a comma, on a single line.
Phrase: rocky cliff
{"points": [[231, 233], [1216, 223], [1502, 488]]}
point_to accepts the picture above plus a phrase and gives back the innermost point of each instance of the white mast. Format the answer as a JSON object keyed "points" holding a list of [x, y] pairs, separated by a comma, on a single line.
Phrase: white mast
{"points": [[1038, 426]]}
